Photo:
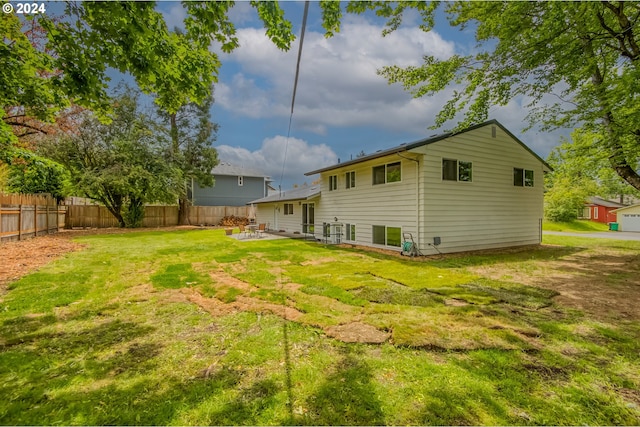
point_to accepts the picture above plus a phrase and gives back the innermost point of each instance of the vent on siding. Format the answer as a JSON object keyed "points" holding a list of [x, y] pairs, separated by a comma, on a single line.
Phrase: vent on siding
{"points": [[493, 131]]}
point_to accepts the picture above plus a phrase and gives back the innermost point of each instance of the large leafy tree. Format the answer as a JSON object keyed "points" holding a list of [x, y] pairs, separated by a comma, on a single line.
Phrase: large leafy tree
{"points": [[581, 156], [28, 84], [132, 37], [121, 164], [577, 62], [49, 64], [67, 60], [191, 133]]}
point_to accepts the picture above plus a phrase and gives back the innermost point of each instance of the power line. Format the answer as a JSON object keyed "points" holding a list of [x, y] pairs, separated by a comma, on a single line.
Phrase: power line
{"points": [[295, 86]]}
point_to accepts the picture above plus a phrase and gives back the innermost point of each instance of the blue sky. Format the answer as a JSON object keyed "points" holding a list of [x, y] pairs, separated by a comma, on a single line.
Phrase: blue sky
{"points": [[342, 106]]}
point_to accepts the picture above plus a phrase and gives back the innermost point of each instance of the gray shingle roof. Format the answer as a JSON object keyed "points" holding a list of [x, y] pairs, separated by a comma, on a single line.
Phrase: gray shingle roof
{"points": [[226, 168], [408, 146], [606, 203], [302, 193]]}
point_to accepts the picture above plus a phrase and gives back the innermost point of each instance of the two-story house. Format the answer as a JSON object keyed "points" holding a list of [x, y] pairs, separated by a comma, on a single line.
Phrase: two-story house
{"points": [[234, 186], [479, 188]]}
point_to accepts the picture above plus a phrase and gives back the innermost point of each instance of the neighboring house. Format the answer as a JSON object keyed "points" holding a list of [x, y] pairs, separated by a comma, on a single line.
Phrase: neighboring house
{"points": [[628, 218], [600, 210], [234, 186], [292, 210], [479, 188]]}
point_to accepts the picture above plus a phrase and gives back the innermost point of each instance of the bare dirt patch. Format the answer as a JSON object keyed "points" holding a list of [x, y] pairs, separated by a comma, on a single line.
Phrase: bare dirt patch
{"points": [[606, 285], [358, 332], [22, 257]]}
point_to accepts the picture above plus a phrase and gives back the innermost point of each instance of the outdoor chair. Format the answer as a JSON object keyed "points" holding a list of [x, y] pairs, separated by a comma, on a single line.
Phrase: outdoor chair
{"points": [[243, 231], [261, 229]]}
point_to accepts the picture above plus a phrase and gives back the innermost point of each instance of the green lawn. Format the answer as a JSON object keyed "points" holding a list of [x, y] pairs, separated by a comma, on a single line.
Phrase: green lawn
{"points": [[189, 328], [577, 226]]}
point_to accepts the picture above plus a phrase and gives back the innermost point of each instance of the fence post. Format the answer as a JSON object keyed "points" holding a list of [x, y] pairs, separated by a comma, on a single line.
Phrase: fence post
{"points": [[20, 222], [35, 217]]}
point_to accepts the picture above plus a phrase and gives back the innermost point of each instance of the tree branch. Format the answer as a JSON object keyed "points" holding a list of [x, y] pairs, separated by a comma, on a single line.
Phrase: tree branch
{"points": [[12, 123]]}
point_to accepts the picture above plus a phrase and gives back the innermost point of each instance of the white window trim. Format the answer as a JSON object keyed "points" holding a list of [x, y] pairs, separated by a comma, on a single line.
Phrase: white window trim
{"points": [[347, 177], [386, 166], [442, 159], [524, 178], [333, 182], [386, 240]]}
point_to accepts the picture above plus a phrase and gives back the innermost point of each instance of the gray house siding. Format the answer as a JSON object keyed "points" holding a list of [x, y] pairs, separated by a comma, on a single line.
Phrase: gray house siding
{"points": [[227, 192]]}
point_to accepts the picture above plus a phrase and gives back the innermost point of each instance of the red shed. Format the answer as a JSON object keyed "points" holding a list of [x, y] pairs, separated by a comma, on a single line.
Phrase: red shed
{"points": [[600, 210]]}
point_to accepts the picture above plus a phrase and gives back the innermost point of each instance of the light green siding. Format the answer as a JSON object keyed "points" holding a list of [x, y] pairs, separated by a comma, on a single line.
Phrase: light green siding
{"points": [[391, 204], [489, 211]]}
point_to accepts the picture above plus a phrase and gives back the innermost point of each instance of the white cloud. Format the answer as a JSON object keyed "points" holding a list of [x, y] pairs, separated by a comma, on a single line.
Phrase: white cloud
{"points": [[339, 87], [301, 157], [338, 84], [175, 16]]}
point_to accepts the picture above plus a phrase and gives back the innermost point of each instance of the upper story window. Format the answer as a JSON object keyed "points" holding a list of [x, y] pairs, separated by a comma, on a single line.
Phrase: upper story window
{"points": [[333, 182], [240, 181], [522, 177], [391, 172], [456, 170], [350, 179]]}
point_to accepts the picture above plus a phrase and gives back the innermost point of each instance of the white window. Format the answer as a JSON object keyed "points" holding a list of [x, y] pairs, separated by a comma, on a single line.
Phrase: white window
{"points": [[522, 177], [390, 236], [350, 232], [288, 208], [333, 182], [456, 170], [391, 172], [350, 179]]}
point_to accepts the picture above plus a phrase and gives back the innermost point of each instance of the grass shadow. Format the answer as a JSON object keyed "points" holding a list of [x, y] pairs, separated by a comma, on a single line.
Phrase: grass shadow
{"points": [[347, 397], [36, 365]]}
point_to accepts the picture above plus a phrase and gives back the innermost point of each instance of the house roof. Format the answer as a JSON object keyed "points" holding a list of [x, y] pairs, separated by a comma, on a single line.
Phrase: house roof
{"points": [[606, 203], [409, 146], [302, 193], [626, 207], [226, 168]]}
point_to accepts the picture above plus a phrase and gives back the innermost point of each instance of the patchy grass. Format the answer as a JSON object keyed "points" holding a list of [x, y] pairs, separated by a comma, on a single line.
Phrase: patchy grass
{"points": [[121, 334]]}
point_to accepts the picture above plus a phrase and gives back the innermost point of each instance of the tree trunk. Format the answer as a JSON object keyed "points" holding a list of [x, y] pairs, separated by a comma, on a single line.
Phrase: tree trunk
{"points": [[114, 205], [116, 212], [183, 201], [184, 206]]}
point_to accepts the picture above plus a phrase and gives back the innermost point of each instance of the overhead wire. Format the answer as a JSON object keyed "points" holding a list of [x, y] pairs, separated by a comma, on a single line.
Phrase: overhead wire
{"points": [[285, 328], [295, 87]]}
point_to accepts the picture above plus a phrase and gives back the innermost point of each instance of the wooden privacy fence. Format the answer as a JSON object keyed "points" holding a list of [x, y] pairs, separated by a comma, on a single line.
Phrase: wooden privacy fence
{"points": [[24, 215], [93, 216]]}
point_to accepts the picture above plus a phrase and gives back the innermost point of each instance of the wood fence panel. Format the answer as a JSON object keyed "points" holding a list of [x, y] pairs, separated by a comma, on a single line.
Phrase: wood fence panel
{"points": [[211, 215], [28, 215], [160, 216], [93, 216]]}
